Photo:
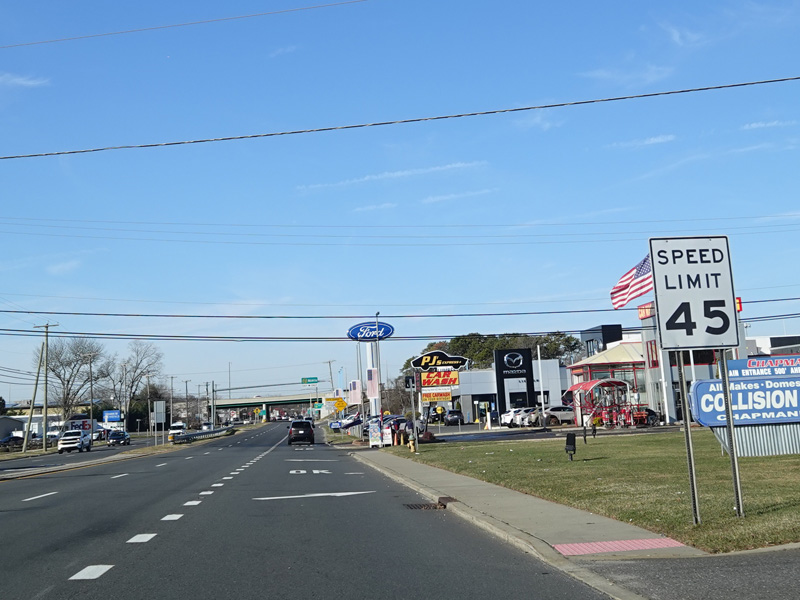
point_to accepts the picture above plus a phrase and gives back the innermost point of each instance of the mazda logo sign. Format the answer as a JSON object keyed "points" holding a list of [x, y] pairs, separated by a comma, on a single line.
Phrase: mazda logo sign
{"points": [[513, 360]]}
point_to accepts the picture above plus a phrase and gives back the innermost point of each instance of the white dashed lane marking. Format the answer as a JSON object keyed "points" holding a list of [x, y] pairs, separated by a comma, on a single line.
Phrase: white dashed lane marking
{"points": [[189, 457], [141, 538], [227, 477], [206, 493], [91, 572], [217, 484], [171, 517], [192, 503], [37, 497], [162, 465], [118, 476]]}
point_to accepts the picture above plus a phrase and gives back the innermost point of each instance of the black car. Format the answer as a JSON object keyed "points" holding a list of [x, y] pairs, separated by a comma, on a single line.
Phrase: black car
{"points": [[11, 441], [453, 417], [301, 431], [119, 438]]}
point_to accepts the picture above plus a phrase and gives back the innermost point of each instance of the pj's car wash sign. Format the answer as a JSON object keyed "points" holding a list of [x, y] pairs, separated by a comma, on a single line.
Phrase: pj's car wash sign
{"points": [[763, 391]]}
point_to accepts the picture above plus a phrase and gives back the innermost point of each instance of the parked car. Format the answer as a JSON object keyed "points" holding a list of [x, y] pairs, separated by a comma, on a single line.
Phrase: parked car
{"points": [[301, 431], [453, 417], [206, 426], [119, 438], [74, 439], [10, 441], [507, 418], [525, 417], [555, 415]]}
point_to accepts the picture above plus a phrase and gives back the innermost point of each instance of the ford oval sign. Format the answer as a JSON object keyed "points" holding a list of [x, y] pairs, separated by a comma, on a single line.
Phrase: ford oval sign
{"points": [[370, 331]]}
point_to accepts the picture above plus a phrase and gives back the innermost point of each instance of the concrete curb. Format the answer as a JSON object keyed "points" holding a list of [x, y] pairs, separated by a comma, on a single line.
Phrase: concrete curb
{"points": [[520, 539]]}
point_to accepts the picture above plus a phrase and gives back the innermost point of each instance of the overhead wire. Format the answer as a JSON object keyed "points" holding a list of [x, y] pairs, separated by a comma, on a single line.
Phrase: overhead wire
{"points": [[401, 121], [174, 25]]}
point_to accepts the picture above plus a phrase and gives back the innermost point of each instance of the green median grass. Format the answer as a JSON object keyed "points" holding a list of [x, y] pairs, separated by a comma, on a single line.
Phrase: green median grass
{"points": [[644, 480]]}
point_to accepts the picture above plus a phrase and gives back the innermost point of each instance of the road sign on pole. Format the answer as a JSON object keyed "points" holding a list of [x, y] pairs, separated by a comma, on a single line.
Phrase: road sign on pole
{"points": [[307, 380], [695, 299]]}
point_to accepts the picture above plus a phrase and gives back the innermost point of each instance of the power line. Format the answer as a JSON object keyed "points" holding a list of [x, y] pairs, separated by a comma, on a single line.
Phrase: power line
{"points": [[401, 121], [349, 317], [189, 24]]}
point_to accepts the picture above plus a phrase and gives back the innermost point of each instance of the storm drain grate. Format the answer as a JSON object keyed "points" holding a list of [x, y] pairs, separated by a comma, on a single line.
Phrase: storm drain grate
{"points": [[440, 505], [427, 506]]}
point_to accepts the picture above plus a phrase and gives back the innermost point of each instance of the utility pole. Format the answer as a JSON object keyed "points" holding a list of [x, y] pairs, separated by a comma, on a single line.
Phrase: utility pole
{"points": [[171, 396], [91, 356], [207, 401], [186, 383], [46, 328], [330, 372]]}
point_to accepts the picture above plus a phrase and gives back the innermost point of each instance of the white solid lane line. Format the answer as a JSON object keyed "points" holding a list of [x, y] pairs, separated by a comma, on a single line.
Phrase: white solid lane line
{"points": [[141, 538], [171, 517], [37, 497], [91, 572], [118, 476]]}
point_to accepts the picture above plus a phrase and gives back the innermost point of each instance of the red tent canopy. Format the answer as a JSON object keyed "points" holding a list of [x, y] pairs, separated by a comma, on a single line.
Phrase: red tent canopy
{"points": [[586, 386]]}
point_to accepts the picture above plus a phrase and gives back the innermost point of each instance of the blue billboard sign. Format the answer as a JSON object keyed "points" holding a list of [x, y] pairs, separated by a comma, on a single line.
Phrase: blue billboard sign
{"points": [[754, 401], [111, 415], [370, 331]]}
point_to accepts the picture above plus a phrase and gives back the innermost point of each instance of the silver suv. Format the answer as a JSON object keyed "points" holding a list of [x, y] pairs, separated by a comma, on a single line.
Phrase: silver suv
{"points": [[74, 439]]}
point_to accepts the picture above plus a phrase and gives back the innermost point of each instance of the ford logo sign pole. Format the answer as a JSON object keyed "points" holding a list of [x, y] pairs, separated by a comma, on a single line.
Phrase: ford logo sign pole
{"points": [[378, 365]]}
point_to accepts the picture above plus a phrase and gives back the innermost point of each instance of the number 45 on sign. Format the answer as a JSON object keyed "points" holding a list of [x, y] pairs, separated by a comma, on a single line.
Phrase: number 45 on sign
{"points": [[695, 299]]}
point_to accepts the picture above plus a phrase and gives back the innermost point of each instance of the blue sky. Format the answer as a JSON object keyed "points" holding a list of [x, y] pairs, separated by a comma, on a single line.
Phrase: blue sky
{"points": [[537, 210]]}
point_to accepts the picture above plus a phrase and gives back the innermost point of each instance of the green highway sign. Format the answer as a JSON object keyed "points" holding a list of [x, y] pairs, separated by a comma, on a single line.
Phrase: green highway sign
{"points": [[309, 380]]}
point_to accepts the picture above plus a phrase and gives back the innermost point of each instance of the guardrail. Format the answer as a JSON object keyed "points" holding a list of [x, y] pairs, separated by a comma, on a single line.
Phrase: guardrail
{"points": [[187, 438]]}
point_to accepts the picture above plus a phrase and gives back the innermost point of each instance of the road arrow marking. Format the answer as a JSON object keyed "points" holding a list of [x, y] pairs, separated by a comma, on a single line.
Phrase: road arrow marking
{"points": [[333, 494]]}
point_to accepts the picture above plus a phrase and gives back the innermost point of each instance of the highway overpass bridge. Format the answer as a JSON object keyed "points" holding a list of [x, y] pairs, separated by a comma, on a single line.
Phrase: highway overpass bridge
{"points": [[269, 403]]}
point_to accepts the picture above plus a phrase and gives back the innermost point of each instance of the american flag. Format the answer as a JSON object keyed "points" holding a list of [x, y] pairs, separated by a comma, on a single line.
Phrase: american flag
{"points": [[636, 282]]}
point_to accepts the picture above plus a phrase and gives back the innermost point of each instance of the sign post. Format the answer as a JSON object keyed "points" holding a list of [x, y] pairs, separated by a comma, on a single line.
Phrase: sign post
{"points": [[696, 309]]}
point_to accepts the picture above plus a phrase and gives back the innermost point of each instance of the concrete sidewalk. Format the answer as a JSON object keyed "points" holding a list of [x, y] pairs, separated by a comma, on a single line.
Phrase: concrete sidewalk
{"points": [[550, 531]]}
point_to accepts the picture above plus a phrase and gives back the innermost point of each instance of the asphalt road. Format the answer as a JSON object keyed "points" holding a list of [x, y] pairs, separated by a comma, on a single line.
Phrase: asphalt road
{"points": [[248, 516]]}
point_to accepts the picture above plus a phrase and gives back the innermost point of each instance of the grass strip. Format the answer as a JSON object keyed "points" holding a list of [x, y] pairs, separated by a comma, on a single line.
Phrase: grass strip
{"points": [[642, 479]]}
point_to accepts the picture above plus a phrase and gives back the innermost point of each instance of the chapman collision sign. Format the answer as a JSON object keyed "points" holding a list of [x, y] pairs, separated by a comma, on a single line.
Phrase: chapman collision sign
{"points": [[763, 391]]}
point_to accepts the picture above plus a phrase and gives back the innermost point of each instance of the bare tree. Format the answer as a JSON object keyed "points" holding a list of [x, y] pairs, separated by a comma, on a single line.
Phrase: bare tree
{"points": [[68, 370], [127, 375]]}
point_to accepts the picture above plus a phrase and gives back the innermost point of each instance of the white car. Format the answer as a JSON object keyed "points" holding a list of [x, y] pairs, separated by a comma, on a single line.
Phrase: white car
{"points": [[507, 418], [557, 415], [525, 417], [74, 439]]}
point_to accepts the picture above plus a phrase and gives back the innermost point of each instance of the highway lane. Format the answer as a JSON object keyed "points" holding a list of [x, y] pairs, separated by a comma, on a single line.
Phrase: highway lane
{"points": [[251, 516]]}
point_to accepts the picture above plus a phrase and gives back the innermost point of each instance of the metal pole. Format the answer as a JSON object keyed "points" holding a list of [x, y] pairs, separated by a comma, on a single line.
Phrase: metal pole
{"points": [[541, 388], [186, 383], [726, 392], [171, 398], [229, 381], [687, 434], [150, 419], [378, 367]]}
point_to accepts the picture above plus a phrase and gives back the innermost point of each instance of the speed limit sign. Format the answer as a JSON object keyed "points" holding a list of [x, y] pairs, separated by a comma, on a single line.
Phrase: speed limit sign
{"points": [[693, 285]]}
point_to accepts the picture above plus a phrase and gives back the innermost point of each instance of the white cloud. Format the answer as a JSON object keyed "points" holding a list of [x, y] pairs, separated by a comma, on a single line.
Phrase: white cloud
{"points": [[658, 139], [765, 124], [383, 206], [281, 51], [63, 268], [538, 119], [11, 80], [445, 197], [683, 37], [643, 76], [394, 175]]}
